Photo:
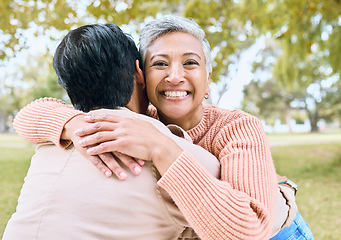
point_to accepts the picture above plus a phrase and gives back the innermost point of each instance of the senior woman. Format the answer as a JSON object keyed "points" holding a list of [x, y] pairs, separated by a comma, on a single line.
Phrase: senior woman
{"points": [[177, 71], [177, 68]]}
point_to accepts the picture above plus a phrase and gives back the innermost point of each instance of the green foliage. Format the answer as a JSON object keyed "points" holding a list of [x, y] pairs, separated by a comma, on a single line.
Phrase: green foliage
{"points": [[35, 79], [286, 91], [307, 33], [228, 24], [299, 25], [17, 16]]}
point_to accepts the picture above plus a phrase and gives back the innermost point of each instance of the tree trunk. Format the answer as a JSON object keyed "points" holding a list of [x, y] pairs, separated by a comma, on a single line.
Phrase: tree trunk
{"points": [[313, 118], [288, 118], [3, 123]]}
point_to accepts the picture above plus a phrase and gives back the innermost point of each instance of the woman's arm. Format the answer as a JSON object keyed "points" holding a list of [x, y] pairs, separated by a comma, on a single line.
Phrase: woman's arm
{"points": [[51, 120], [43, 121], [239, 206]]}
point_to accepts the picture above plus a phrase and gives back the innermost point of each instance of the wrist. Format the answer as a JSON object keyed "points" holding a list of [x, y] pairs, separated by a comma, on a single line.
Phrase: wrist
{"points": [[165, 155], [290, 184], [71, 126]]}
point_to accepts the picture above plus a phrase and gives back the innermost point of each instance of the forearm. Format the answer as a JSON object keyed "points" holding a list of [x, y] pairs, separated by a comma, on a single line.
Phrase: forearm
{"points": [[213, 208], [241, 204], [43, 120]]}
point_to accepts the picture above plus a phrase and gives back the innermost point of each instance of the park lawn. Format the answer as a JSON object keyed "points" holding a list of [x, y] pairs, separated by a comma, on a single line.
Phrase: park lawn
{"points": [[14, 161], [315, 168]]}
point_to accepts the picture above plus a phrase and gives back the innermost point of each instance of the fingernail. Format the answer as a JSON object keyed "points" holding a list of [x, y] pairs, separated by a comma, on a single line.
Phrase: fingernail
{"points": [[90, 151], [87, 117], [137, 169], [123, 175], [141, 162], [107, 173]]}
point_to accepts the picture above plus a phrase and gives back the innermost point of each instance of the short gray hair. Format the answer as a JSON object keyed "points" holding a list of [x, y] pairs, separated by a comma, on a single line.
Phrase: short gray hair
{"points": [[172, 23]]}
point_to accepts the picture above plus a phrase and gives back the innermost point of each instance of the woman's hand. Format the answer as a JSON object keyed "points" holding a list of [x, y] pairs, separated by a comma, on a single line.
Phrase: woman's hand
{"points": [[129, 136], [106, 162]]}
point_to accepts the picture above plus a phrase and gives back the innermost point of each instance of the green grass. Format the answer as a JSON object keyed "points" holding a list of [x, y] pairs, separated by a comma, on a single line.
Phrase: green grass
{"points": [[316, 168], [14, 161], [304, 138]]}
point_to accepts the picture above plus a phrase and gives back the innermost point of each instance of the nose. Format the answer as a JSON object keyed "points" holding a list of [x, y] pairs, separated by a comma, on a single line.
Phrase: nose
{"points": [[175, 75]]}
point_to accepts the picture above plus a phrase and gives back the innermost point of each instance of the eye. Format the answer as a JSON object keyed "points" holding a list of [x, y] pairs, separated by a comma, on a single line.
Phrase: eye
{"points": [[160, 64], [191, 62]]}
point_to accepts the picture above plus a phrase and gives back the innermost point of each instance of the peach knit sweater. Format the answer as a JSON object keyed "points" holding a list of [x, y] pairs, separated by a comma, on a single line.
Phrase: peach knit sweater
{"points": [[239, 206]]}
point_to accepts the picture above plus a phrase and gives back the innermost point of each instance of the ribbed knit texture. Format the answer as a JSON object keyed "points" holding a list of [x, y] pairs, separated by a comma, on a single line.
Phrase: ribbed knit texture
{"points": [[43, 121], [239, 206]]}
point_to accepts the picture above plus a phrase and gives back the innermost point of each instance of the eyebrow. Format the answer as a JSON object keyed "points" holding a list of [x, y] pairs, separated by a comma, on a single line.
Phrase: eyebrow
{"points": [[167, 56], [158, 55], [192, 53]]}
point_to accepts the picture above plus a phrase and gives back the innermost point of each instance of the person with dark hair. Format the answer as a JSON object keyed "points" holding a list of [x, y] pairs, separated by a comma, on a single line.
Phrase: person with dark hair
{"points": [[64, 196], [88, 59], [241, 204]]}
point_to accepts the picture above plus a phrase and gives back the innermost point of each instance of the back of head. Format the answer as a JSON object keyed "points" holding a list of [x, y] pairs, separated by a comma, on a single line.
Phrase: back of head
{"points": [[169, 24], [95, 64]]}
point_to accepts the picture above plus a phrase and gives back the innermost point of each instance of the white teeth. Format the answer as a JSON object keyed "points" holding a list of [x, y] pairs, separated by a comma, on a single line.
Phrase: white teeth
{"points": [[175, 94]]}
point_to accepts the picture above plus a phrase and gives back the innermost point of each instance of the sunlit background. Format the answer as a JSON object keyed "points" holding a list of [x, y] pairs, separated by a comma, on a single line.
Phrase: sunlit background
{"points": [[277, 59]]}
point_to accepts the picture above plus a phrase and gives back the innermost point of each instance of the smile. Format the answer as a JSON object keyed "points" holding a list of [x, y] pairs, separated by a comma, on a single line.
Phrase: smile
{"points": [[175, 93]]}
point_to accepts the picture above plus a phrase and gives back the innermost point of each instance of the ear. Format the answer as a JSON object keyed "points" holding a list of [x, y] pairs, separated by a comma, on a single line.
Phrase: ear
{"points": [[138, 75]]}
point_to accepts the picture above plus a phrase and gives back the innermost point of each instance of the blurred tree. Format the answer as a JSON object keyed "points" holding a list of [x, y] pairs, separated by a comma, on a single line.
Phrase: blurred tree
{"points": [[218, 18], [300, 26], [230, 25], [270, 97], [41, 15], [7, 106], [32, 80], [38, 79], [303, 29]]}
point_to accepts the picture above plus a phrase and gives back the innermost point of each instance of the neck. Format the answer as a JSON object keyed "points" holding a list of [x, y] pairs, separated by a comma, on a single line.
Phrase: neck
{"points": [[133, 106], [184, 122]]}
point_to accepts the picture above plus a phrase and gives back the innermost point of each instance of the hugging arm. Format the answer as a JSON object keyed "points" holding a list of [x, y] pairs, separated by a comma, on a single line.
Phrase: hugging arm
{"points": [[51, 120], [239, 206], [242, 202], [33, 122]]}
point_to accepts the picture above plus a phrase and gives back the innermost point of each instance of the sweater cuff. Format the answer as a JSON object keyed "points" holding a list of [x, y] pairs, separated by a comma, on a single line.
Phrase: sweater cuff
{"points": [[68, 114]]}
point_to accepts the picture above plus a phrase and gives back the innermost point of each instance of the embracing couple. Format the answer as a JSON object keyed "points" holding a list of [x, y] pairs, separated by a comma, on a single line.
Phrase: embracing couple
{"points": [[182, 169]]}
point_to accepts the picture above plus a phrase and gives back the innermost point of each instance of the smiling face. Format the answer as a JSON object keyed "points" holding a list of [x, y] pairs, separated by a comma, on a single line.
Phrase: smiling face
{"points": [[176, 78]]}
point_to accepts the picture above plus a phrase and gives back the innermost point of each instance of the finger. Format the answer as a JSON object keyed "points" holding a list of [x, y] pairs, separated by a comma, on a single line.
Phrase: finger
{"points": [[101, 166], [97, 138], [113, 165], [140, 162], [95, 127], [129, 162], [109, 146], [103, 118]]}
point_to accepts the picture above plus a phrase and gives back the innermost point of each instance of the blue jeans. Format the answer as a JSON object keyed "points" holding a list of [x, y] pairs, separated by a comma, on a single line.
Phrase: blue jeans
{"points": [[298, 230]]}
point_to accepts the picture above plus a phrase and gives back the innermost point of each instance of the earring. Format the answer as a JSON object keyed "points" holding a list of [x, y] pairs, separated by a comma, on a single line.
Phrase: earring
{"points": [[207, 95]]}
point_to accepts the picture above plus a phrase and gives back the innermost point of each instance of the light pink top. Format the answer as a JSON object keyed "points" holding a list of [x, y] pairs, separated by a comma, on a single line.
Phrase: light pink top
{"points": [[65, 197], [239, 206]]}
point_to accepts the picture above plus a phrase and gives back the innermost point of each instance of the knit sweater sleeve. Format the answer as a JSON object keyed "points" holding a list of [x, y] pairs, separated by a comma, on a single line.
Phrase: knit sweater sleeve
{"points": [[43, 121], [239, 205]]}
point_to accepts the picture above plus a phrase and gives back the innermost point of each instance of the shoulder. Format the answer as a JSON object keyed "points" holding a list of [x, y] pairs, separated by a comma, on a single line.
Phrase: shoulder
{"points": [[223, 117], [234, 128]]}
